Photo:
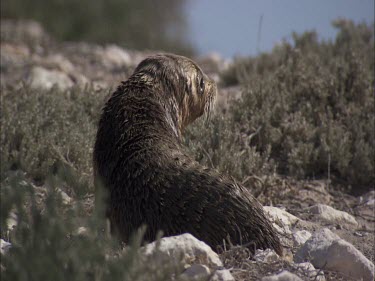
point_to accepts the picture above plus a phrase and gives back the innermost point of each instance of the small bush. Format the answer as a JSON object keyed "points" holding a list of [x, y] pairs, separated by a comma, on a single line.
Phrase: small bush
{"points": [[46, 245], [314, 103], [43, 131], [226, 146]]}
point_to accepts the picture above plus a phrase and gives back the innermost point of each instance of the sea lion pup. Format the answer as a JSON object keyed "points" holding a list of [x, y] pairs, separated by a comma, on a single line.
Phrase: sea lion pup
{"points": [[139, 158]]}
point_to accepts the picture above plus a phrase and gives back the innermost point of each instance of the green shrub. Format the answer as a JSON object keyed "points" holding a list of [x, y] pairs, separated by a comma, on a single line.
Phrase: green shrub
{"points": [[225, 146], [46, 245], [314, 103], [43, 131], [306, 111]]}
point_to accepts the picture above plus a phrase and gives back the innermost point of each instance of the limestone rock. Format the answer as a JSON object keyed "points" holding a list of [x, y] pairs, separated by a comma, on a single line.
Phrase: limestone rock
{"points": [[300, 237], [283, 276], [368, 199], [282, 220], [41, 78], [4, 246], [196, 272], [12, 220], [186, 246], [82, 231], [281, 215], [327, 250], [266, 256], [222, 275], [114, 56], [66, 199], [332, 215], [307, 269]]}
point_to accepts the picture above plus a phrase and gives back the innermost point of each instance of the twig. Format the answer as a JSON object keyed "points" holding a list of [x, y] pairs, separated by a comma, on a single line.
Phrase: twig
{"points": [[259, 32], [209, 158]]}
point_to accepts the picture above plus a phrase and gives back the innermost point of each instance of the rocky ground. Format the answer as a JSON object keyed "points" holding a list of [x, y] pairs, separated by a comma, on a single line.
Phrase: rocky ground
{"points": [[327, 234]]}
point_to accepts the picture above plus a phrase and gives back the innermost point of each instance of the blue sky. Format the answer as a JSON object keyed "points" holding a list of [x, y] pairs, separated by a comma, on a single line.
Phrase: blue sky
{"points": [[230, 27]]}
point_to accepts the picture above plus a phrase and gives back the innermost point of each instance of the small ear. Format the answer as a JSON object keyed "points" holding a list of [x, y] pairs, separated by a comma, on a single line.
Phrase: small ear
{"points": [[150, 64]]}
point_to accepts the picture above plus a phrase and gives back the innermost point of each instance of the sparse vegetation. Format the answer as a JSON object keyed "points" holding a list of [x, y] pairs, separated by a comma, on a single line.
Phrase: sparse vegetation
{"points": [[307, 108], [43, 131], [47, 243]]}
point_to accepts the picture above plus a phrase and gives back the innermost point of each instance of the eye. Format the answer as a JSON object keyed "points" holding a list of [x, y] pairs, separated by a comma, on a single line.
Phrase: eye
{"points": [[201, 86]]}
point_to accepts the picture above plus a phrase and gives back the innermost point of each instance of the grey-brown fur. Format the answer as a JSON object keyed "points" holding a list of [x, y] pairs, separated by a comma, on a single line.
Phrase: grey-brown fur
{"points": [[139, 158]]}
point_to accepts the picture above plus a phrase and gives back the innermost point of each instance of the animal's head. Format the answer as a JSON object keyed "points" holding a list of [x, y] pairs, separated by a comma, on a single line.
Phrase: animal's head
{"points": [[181, 77]]}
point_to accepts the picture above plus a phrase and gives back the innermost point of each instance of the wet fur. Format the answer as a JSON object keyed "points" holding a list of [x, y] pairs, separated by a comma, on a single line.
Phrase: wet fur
{"points": [[139, 158]]}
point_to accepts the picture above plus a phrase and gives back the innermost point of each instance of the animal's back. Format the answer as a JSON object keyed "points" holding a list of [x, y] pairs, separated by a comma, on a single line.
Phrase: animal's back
{"points": [[151, 181]]}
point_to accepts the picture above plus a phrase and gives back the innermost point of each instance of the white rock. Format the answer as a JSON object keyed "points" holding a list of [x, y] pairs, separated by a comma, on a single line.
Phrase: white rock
{"points": [[368, 199], [328, 251], [4, 246], [59, 62], [12, 220], [281, 215], [185, 245], [196, 272], [115, 56], [64, 197], [371, 202], [300, 237], [41, 78], [82, 230], [266, 256], [308, 269], [332, 215], [281, 219], [222, 275], [283, 276]]}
